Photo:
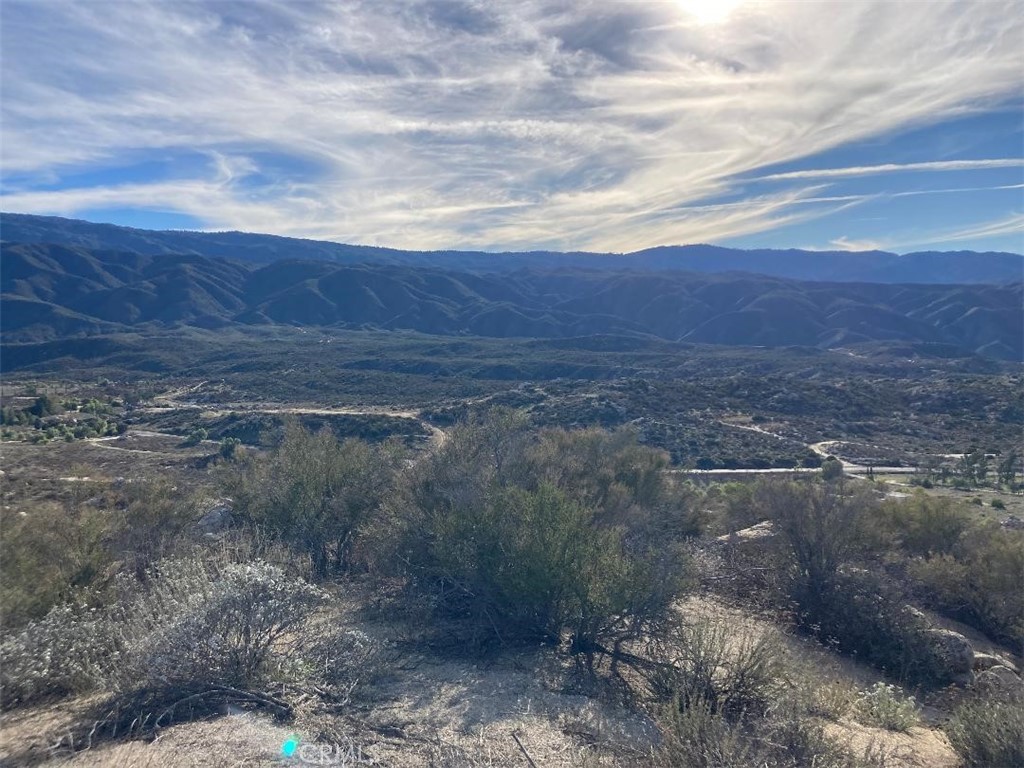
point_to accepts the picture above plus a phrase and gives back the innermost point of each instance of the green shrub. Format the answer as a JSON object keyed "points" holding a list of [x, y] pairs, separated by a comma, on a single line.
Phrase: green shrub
{"points": [[884, 706], [46, 405], [526, 540], [988, 733], [528, 565], [820, 527], [920, 525], [998, 504], [981, 583], [148, 520], [863, 616], [315, 493], [827, 533], [231, 449], [52, 553], [831, 469], [195, 437]]}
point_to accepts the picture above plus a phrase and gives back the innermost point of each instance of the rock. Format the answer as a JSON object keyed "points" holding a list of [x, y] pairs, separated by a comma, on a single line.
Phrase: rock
{"points": [[1013, 522], [765, 530], [983, 661], [999, 680], [955, 652], [918, 617], [217, 517]]}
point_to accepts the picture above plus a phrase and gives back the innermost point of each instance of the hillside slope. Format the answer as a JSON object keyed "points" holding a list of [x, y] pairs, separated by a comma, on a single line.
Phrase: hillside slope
{"points": [[54, 291]]}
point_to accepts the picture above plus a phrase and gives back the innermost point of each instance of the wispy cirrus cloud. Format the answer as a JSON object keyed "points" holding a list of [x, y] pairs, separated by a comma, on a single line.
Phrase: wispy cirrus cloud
{"points": [[872, 170], [1012, 224], [612, 126]]}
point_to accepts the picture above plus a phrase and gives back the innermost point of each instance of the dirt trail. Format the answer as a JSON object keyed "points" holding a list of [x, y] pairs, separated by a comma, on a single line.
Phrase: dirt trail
{"points": [[172, 400]]}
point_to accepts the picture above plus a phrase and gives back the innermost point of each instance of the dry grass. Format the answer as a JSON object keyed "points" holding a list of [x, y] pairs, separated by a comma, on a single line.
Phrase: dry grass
{"points": [[454, 712]]}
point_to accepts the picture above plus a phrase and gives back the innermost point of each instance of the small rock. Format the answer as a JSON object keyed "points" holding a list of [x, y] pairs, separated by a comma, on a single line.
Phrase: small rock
{"points": [[1012, 522]]}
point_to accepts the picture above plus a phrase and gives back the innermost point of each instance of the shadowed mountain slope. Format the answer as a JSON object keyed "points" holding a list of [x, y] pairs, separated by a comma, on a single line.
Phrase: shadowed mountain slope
{"points": [[52, 291]]}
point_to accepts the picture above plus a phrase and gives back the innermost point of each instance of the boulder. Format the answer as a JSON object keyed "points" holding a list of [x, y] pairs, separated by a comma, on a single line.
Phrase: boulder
{"points": [[1000, 681], [217, 517], [955, 652], [983, 661]]}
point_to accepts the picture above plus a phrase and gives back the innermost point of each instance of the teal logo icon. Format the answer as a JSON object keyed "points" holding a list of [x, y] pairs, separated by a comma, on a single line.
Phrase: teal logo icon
{"points": [[290, 746]]}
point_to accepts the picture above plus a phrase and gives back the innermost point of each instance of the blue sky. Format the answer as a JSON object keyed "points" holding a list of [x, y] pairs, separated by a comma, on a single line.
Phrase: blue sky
{"points": [[603, 125]]}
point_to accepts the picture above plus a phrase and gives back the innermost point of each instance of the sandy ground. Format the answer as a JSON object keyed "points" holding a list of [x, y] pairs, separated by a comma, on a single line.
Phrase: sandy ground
{"points": [[452, 712]]}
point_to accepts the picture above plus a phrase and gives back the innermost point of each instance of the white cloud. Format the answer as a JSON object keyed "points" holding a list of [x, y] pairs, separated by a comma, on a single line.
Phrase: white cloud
{"points": [[598, 125], [846, 244], [871, 170]]}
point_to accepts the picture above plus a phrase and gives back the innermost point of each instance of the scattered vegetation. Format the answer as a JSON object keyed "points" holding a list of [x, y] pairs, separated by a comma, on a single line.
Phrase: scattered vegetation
{"points": [[884, 706], [507, 535], [988, 732]]}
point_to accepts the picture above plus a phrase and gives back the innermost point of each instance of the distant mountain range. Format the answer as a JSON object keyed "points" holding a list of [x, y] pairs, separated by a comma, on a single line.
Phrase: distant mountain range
{"points": [[55, 291], [960, 267]]}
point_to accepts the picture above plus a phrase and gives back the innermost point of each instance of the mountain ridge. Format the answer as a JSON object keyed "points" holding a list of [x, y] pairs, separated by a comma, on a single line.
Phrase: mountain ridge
{"points": [[925, 267], [51, 292]]}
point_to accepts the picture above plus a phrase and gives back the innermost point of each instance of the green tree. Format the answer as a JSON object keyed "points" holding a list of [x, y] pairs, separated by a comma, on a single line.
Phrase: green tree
{"points": [[230, 448], [46, 405], [195, 437], [831, 469], [1006, 472]]}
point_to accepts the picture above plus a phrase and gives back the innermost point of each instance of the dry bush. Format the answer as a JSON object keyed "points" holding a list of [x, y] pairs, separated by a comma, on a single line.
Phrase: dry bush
{"points": [[709, 664], [190, 625], [884, 706], [225, 629], [699, 737], [345, 664], [831, 699], [65, 652], [987, 733], [733, 699]]}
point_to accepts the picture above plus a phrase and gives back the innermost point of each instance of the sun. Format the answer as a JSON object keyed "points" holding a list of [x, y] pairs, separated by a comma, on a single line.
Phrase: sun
{"points": [[709, 11]]}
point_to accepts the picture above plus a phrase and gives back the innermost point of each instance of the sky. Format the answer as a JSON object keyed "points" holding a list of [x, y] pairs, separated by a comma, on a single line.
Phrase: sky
{"points": [[600, 126]]}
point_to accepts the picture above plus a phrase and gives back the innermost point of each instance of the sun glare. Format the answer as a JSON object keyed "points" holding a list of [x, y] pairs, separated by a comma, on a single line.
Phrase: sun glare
{"points": [[709, 11]]}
